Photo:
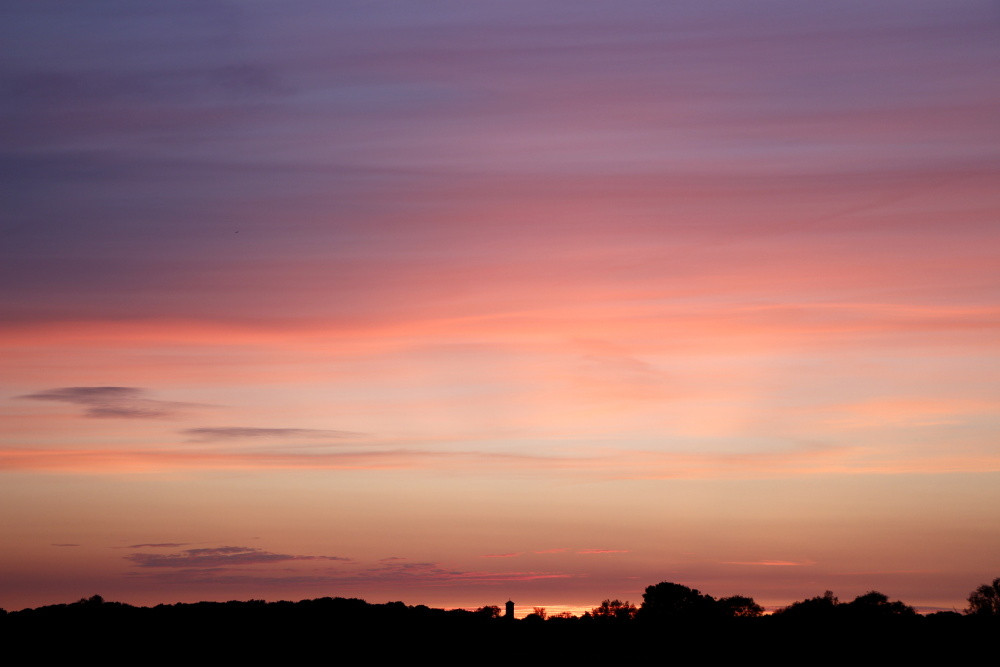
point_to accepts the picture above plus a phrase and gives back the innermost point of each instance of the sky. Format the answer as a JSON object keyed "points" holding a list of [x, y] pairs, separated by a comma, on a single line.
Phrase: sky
{"points": [[458, 302]]}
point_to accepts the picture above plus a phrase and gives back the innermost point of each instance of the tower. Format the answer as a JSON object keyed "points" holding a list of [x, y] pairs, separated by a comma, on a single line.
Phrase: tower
{"points": [[509, 611]]}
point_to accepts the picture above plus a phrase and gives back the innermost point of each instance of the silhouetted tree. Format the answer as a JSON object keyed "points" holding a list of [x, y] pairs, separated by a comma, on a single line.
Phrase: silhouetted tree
{"points": [[535, 616], [93, 600], [740, 606], [540, 612], [490, 611], [614, 610], [985, 600], [821, 606], [876, 605], [670, 601]]}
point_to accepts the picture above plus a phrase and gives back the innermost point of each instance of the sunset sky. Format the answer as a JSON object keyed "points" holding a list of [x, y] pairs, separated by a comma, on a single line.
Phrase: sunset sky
{"points": [[452, 302]]}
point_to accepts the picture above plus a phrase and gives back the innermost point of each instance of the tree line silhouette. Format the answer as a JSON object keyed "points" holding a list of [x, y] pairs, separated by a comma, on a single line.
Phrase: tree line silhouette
{"points": [[671, 612]]}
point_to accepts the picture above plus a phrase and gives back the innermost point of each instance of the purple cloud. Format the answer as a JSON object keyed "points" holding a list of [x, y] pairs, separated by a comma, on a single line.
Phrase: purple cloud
{"points": [[211, 566], [114, 402], [216, 557]]}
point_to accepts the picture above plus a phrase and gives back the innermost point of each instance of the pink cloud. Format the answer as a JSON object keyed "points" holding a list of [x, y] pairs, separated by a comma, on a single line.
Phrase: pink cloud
{"points": [[510, 555], [882, 572], [772, 563]]}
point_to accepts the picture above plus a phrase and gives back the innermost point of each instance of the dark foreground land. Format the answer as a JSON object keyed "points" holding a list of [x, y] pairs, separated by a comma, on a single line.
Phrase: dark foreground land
{"points": [[335, 630]]}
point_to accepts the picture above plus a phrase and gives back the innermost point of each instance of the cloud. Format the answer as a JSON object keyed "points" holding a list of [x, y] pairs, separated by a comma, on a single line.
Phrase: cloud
{"points": [[65, 545], [867, 573], [219, 557], [510, 555], [771, 563], [113, 402], [242, 565], [603, 551], [130, 460], [158, 545], [429, 574], [244, 432], [209, 566], [412, 573], [623, 464], [551, 551]]}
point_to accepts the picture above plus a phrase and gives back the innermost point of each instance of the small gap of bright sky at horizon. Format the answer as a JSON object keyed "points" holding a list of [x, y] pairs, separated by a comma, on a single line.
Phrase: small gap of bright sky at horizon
{"points": [[451, 302]]}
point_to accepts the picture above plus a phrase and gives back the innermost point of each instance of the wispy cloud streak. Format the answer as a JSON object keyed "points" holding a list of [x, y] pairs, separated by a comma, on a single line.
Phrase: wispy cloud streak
{"points": [[215, 557], [772, 563], [211, 434], [111, 402], [242, 565], [156, 545], [622, 464]]}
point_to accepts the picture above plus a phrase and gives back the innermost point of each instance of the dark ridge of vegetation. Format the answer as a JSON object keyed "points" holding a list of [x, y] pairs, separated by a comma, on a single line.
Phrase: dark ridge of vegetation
{"points": [[671, 616]]}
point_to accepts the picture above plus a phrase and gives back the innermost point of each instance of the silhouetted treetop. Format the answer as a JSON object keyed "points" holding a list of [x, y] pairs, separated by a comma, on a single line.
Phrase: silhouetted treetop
{"points": [[489, 611], [667, 601], [821, 606], [92, 600], [615, 610], [740, 606], [873, 605], [985, 600]]}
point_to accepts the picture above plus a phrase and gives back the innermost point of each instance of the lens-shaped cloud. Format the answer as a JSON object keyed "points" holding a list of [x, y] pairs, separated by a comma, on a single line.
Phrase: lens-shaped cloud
{"points": [[111, 402]]}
